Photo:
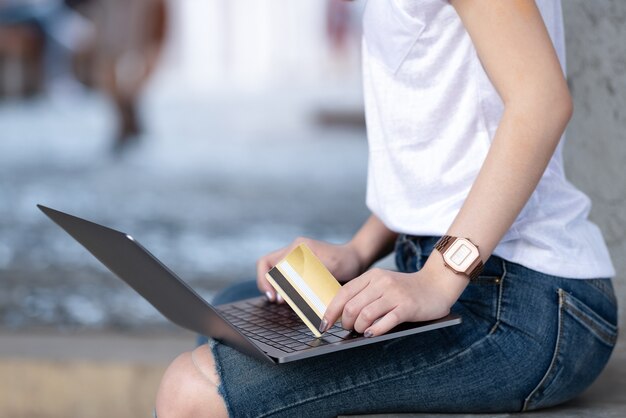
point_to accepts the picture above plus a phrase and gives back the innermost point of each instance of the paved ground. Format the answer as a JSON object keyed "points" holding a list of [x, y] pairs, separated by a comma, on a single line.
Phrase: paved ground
{"points": [[213, 186], [84, 375]]}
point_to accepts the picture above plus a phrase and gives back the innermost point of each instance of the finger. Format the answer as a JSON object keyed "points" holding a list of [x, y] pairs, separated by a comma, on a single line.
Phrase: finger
{"points": [[372, 312], [266, 263], [263, 266], [264, 286], [336, 305], [390, 320], [354, 306]]}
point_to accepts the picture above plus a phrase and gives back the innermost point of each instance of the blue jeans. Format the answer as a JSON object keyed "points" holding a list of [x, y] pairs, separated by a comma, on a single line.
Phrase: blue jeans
{"points": [[528, 340]]}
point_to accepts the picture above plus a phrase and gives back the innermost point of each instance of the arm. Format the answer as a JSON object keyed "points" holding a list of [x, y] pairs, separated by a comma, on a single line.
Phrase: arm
{"points": [[372, 242], [517, 54], [515, 50]]}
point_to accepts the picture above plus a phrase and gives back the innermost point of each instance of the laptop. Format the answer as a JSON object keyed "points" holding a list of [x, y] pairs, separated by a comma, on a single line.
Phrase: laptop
{"points": [[267, 331]]}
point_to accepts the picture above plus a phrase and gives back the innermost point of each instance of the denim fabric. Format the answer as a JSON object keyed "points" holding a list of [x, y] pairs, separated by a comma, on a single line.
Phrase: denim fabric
{"points": [[528, 341]]}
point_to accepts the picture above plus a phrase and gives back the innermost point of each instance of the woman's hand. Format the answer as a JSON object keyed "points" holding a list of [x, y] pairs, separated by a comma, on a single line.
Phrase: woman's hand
{"points": [[342, 261], [378, 300]]}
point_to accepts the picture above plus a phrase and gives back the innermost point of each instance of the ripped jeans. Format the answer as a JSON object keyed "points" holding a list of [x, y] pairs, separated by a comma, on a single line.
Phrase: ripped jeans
{"points": [[528, 340]]}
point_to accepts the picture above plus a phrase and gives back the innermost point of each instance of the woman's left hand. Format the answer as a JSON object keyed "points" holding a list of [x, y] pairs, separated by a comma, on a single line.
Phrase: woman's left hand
{"points": [[378, 300]]}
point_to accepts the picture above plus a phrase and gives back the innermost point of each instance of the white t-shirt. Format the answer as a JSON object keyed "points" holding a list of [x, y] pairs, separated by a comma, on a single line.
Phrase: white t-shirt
{"points": [[432, 113]]}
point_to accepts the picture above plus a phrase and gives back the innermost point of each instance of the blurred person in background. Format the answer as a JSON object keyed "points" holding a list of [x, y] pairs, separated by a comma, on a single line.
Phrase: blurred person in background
{"points": [[123, 54], [37, 40], [343, 30], [338, 26], [110, 45], [466, 104]]}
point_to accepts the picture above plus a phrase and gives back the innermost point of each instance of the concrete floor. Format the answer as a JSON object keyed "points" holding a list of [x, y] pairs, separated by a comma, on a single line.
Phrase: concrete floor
{"points": [[86, 375]]}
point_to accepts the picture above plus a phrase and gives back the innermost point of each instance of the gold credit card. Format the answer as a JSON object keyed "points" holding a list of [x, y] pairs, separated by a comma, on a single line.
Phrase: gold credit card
{"points": [[305, 284]]}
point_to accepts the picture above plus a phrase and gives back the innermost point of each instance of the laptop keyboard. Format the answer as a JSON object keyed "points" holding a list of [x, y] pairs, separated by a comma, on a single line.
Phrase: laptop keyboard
{"points": [[278, 326]]}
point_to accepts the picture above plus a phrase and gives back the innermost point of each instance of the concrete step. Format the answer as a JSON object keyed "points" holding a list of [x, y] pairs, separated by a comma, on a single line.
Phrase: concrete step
{"points": [[86, 376]]}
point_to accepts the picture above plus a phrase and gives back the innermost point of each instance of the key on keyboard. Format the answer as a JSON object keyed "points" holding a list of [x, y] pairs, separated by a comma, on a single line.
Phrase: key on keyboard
{"points": [[278, 326]]}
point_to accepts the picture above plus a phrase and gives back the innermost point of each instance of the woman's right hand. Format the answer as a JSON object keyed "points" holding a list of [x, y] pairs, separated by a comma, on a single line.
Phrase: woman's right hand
{"points": [[341, 260]]}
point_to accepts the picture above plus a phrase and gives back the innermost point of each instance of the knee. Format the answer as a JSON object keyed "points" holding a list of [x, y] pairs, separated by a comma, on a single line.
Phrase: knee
{"points": [[176, 392], [184, 392]]}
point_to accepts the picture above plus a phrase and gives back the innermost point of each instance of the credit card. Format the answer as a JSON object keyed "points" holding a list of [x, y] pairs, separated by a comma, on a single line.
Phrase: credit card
{"points": [[305, 284]]}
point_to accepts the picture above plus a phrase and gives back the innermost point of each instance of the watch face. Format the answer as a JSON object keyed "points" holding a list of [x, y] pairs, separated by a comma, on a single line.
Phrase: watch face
{"points": [[461, 255]]}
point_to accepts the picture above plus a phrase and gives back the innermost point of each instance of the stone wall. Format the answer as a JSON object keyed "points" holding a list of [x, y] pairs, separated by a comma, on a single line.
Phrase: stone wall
{"points": [[596, 151]]}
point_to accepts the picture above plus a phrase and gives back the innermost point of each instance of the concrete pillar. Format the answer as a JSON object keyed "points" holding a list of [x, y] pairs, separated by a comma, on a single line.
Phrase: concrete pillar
{"points": [[596, 151]]}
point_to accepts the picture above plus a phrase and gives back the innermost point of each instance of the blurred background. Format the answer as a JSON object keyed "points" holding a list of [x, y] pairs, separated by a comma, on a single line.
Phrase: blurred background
{"points": [[213, 131]]}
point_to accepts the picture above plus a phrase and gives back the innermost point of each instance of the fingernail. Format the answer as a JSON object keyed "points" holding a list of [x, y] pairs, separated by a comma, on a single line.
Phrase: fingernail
{"points": [[368, 334], [279, 298], [323, 325], [269, 296]]}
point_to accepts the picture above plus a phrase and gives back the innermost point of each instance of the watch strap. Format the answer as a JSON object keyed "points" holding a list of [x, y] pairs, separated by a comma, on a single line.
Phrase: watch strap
{"points": [[444, 243], [473, 275]]}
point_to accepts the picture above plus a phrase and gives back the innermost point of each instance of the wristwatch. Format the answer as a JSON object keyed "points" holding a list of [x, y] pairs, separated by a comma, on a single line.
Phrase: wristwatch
{"points": [[460, 255]]}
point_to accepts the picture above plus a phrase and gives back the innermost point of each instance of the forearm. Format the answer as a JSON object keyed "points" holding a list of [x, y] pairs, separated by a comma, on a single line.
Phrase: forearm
{"points": [[372, 241]]}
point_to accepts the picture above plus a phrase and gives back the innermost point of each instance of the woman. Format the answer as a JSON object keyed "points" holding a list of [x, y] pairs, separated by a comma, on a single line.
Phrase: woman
{"points": [[466, 102]]}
